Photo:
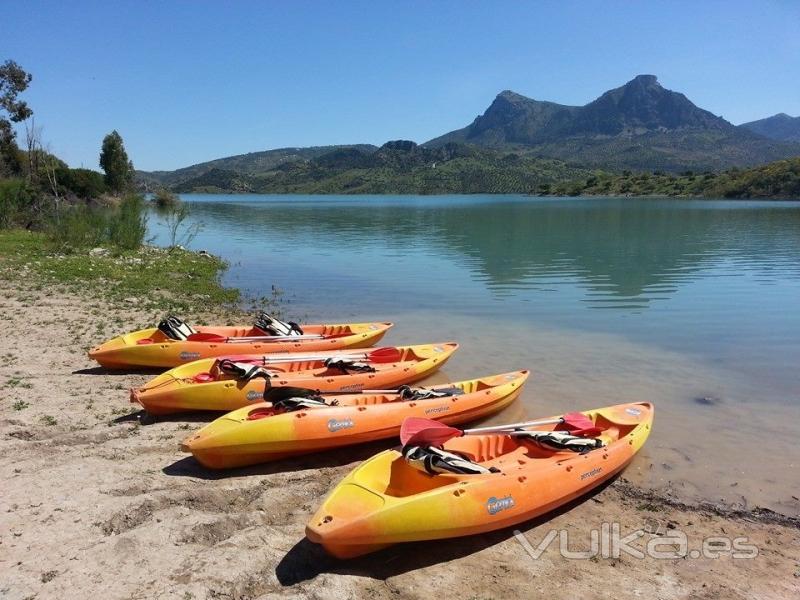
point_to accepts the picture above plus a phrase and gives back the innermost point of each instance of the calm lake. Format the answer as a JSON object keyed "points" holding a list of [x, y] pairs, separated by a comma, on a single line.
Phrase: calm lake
{"points": [[692, 304]]}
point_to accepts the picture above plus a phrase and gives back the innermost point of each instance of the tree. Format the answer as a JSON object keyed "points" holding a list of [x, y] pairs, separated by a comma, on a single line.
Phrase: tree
{"points": [[114, 161], [13, 81]]}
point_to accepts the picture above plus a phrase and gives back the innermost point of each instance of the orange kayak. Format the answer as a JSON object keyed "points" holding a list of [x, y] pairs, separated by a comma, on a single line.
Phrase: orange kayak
{"points": [[153, 348], [206, 385], [389, 499], [268, 431]]}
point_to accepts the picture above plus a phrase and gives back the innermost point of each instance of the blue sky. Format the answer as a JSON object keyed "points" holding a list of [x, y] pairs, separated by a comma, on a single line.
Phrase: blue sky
{"points": [[185, 82]]}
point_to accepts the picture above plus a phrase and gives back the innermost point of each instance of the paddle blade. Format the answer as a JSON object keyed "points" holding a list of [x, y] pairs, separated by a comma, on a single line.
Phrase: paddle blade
{"points": [[579, 424], [424, 432], [384, 355]]}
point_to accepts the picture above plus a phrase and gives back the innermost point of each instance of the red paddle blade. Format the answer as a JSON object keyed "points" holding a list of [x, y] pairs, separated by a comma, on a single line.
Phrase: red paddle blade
{"points": [[385, 355], [579, 424], [425, 432]]}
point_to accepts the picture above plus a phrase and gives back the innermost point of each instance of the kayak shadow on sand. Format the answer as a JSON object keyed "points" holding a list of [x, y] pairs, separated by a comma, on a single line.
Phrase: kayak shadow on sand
{"points": [[145, 418], [105, 371], [336, 457], [306, 560]]}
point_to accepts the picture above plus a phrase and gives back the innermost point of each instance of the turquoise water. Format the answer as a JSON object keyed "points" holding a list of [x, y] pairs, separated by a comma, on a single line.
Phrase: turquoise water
{"points": [[605, 299]]}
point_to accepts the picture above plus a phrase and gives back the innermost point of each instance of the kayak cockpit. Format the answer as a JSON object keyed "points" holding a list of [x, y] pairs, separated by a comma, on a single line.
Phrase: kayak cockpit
{"points": [[394, 476]]}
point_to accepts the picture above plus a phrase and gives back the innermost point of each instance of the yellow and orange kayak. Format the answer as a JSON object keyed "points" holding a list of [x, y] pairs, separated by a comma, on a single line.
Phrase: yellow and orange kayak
{"points": [[153, 348], [258, 433], [205, 384], [387, 499]]}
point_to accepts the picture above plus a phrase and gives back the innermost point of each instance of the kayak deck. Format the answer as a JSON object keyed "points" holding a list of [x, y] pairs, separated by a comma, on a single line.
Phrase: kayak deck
{"points": [[200, 385], [152, 348], [257, 433]]}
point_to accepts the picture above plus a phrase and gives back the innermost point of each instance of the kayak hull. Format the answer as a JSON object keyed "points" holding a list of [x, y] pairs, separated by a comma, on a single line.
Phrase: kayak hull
{"points": [[241, 438], [385, 501], [178, 389], [152, 349]]}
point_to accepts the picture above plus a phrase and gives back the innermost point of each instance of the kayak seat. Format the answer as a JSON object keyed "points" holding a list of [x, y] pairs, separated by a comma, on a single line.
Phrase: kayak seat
{"points": [[370, 400], [483, 448], [336, 330]]}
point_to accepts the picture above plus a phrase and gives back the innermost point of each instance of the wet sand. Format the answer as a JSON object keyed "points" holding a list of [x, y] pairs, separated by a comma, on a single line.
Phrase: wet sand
{"points": [[94, 500]]}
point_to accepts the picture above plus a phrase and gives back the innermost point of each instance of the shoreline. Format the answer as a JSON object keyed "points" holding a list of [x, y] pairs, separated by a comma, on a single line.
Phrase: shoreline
{"points": [[526, 194], [94, 498]]}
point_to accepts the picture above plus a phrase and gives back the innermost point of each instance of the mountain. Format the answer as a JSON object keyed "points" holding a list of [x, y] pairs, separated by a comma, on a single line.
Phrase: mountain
{"points": [[639, 106], [254, 162], [779, 127], [640, 125], [517, 145]]}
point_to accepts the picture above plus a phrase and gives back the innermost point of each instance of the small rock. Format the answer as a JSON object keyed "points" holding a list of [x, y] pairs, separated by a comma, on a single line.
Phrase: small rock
{"points": [[49, 576], [98, 251], [708, 400]]}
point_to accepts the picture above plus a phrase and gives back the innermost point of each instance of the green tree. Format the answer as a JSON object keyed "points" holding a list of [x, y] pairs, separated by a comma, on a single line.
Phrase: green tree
{"points": [[13, 81], [114, 161]]}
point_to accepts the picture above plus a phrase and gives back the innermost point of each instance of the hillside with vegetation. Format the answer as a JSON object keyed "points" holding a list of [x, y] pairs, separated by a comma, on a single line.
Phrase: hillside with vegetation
{"points": [[399, 167], [780, 179], [252, 163]]}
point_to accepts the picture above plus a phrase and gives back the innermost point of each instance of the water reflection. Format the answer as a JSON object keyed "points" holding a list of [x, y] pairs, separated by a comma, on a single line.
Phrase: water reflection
{"points": [[623, 253]]}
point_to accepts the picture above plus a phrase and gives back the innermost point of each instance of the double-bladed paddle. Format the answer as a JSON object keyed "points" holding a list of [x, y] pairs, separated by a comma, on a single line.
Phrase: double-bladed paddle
{"points": [[387, 354], [416, 431]]}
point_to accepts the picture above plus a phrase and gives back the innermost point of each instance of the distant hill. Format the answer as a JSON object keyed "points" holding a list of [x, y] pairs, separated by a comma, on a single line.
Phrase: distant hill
{"points": [[779, 127], [253, 162], [640, 125], [397, 167]]}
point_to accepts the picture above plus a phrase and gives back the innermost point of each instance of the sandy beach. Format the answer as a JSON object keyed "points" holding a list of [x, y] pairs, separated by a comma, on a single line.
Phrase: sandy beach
{"points": [[93, 499]]}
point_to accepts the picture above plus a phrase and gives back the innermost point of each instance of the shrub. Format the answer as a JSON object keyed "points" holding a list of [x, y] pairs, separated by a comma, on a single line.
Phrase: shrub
{"points": [[84, 183], [76, 227], [128, 224], [84, 226], [164, 199], [17, 199]]}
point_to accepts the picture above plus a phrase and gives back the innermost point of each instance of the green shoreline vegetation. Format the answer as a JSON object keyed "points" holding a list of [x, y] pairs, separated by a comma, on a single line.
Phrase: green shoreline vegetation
{"points": [[175, 280], [83, 231], [777, 180], [403, 167]]}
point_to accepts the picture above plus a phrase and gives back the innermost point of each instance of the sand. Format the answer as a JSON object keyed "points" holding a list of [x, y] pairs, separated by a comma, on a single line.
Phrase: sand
{"points": [[94, 501]]}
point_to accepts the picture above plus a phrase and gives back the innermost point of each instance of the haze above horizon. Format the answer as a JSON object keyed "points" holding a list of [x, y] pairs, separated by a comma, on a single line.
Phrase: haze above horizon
{"points": [[184, 83]]}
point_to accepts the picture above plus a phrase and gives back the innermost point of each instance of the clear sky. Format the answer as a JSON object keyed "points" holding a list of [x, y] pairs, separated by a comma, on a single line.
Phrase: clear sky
{"points": [[185, 82]]}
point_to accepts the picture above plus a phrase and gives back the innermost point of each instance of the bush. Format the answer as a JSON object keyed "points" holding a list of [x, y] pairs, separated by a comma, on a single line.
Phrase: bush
{"points": [[84, 226], [84, 183], [165, 199], [128, 224], [76, 227], [17, 199]]}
